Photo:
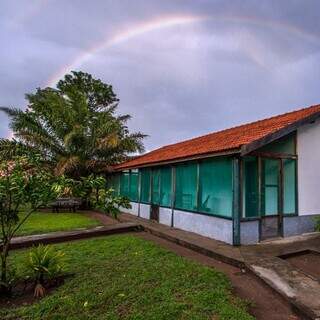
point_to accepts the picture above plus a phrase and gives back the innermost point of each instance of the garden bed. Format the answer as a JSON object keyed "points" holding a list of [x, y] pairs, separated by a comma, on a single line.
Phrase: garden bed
{"points": [[23, 292]]}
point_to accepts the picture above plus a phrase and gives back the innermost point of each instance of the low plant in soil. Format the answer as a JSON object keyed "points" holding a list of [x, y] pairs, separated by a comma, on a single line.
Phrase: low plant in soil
{"points": [[44, 264]]}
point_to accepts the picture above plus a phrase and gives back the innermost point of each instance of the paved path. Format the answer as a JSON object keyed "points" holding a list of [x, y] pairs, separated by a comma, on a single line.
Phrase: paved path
{"points": [[299, 289]]}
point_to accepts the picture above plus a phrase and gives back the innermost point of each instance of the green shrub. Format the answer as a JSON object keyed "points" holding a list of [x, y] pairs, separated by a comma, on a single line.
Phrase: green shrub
{"points": [[44, 263], [317, 226], [112, 204]]}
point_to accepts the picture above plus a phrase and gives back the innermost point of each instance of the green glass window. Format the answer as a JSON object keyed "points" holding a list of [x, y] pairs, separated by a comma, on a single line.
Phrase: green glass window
{"points": [[155, 186], [145, 185], [186, 186], [124, 184], [134, 185], [165, 186], [289, 186], [250, 187], [113, 182], [215, 186], [270, 187], [117, 184]]}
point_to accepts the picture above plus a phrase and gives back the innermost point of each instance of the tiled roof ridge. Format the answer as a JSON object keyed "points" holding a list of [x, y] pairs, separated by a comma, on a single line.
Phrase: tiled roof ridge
{"points": [[236, 127], [231, 138]]}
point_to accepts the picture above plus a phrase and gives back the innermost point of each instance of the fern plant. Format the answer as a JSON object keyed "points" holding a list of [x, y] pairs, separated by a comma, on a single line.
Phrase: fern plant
{"points": [[44, 263]]}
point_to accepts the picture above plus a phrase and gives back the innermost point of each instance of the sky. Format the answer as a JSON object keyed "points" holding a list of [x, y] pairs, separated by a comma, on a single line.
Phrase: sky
{"points": [[181, 68]]}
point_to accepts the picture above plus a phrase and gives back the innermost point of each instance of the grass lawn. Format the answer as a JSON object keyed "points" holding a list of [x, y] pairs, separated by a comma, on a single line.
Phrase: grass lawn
{"points": [[43, 222], [125, 277]]}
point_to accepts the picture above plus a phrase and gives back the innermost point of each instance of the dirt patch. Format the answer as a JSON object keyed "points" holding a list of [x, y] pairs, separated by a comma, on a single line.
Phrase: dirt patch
{"points": [[307, 262], [103, 218], [265, 304], [23, 292]]}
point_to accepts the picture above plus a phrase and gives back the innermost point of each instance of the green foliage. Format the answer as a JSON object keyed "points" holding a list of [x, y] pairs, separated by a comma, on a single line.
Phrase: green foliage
{"points": [[103, 198], [113, 203], [126, 277], [10, 149], [94, 191], [44, 262], [23, 181], [317, 225], [74, 127], [66, 187]]}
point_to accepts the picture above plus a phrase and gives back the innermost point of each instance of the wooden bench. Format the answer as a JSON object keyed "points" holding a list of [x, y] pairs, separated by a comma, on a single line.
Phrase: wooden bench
{"points": [[72, 204]]}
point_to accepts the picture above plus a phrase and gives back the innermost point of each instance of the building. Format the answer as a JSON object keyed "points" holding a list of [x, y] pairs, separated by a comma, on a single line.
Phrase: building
{"points": [[241, 185]]}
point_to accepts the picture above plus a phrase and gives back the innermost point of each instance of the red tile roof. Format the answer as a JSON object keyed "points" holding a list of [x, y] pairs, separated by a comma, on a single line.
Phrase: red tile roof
{"points": [[226, 140]]}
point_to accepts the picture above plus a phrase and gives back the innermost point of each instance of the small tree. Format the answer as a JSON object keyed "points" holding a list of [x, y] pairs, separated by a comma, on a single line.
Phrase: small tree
{"points": [[101, 197], [113, 204], [25, 185]]}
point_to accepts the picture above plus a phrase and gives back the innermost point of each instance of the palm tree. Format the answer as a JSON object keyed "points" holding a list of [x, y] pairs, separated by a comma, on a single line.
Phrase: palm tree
{"points": [[74, 127]]}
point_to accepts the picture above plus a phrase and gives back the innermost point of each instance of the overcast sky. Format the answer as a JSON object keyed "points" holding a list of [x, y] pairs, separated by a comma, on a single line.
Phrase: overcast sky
{"points": [[181, 68]]}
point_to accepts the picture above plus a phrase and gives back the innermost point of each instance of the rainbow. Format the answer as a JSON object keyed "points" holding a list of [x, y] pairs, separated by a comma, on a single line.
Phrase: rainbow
{"points": [[164, 22], [119, 37]]}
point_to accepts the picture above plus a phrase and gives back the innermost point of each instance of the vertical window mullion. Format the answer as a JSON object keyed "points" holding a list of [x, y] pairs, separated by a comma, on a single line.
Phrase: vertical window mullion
{"points": [[198, 187]]}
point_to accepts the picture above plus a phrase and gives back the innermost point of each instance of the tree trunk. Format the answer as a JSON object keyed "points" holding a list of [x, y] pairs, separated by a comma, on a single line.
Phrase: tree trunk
{"points": [[4, 287]]}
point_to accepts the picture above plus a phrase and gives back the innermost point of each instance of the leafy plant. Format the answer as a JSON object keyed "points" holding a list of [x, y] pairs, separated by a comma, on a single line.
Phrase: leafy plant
{"points": [[101, 197], [44, 263], [317, 225], [113, 204], [25, 185], [66, 187], [74, 127]]}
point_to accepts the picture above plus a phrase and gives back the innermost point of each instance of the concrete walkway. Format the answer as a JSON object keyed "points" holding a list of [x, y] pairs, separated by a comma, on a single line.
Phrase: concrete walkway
{"points": [[299, 289]]}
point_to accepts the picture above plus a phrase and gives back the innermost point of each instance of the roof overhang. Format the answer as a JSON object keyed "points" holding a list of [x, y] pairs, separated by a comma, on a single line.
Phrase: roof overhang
{"points": [[250, 147], [191, 158]]}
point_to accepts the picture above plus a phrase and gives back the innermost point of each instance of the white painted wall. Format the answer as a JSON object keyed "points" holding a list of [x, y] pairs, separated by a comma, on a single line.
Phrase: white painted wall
{"points": [[208, 226], [308, 149], [165, 215], [145, 211], [134, 209]]}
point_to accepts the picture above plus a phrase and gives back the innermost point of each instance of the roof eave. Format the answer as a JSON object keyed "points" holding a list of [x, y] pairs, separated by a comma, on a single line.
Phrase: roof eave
{"points": [[191, 158], [250, 147]]}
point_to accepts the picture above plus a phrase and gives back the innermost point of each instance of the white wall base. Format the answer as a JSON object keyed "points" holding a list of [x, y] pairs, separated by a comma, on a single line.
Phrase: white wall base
{"points": [[165, 215], [134, 209], [144, 211], [249, 232], [208, 226]]}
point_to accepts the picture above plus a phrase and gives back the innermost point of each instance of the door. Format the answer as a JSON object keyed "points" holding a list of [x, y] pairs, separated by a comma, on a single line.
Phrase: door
{"points": [[271, 207], [154, 212]]}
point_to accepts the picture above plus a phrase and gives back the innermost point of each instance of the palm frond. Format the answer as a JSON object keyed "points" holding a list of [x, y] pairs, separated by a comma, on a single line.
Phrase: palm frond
{"points": [[66, 165], [10, 149]]}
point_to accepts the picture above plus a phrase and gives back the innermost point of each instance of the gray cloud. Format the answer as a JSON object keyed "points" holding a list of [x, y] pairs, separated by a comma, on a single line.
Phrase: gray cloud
{"points": [[248, 60]]}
